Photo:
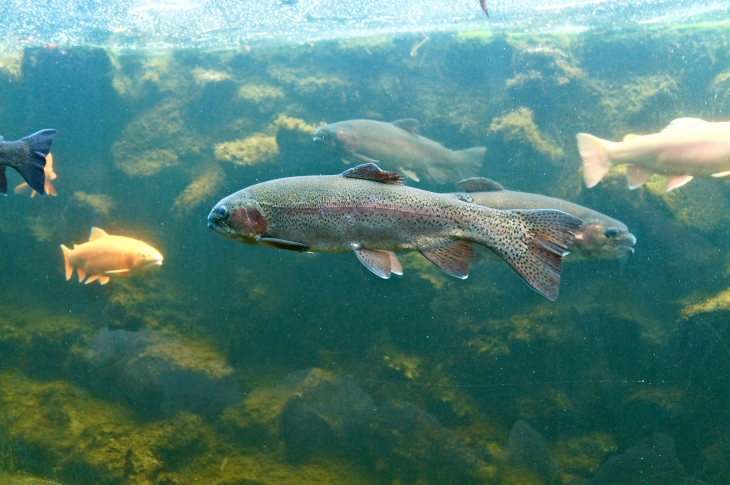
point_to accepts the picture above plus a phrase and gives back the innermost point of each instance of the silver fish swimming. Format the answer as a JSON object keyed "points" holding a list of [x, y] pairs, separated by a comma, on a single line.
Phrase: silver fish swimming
{"points": [[599, 237], [370, 212], [28, 157], [398, 146]]}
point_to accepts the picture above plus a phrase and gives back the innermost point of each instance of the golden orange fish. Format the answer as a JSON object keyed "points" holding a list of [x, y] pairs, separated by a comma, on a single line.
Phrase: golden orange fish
{"points": [[50, 175], [104, 256]]}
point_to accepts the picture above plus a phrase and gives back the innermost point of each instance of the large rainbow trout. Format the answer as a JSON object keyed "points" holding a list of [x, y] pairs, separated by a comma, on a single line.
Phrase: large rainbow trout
{"points": [[370, 211]]}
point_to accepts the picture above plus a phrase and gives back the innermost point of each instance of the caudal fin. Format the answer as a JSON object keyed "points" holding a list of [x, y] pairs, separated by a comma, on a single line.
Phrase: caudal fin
{"points": [[69, 268], [537, 254], [33, 170], [474, 156], [596, 160]]}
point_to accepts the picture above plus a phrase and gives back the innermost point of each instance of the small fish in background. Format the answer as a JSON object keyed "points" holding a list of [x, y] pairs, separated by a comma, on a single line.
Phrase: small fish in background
{"points": [[686, 148], [398, 146], [50, 175], [28, 157], [599, 237], [370, 212], [104, 256]]}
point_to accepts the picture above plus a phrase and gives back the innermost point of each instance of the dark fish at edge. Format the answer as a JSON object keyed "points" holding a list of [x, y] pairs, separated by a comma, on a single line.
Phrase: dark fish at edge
{"points": [[370, 212], [28, 157], [599, 237]]}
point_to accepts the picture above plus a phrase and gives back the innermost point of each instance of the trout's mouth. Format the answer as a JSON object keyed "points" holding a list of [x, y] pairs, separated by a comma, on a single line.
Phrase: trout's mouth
{"points": [[241, 221], [602, 242]]}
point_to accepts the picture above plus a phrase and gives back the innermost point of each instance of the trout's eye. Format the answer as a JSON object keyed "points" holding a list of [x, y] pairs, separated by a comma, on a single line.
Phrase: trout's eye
{"points": [[332, 134], [221, 212], [612, 232]]}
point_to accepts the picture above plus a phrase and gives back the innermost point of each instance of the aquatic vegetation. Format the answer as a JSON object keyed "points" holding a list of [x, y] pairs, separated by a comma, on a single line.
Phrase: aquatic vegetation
{"points": [[257, 418], [639, 99], [302, 81], [258, 93], [41, 229], [408, 365], [424, 269], [582, 455], [199, 190], [520, 126], [251, 150], [292, 124], [719, 302], [205, 76], [160, 137], [101, 203], [135, 76], [703, 206]]}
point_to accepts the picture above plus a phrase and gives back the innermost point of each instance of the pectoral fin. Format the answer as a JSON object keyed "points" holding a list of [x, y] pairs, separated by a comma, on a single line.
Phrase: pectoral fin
{"points": [[636, 176], [283, 244], [103, 280], [452, 257], [720, 175], [677, 181], [117, 271], [379, 261]]}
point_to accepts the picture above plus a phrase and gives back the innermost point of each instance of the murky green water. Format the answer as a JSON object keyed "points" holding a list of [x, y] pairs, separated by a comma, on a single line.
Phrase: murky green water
{"points": [[234, 364]]}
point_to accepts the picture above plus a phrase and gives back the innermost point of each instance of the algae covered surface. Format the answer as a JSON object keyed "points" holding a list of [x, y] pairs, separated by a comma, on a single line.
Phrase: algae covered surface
{"points": [[233, 364]]}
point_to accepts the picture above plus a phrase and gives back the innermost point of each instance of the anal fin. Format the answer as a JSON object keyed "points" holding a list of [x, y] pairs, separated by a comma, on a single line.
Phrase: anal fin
{"points": [[92, 278], [81, 272], [379, 261], [677, 181], [452, 257]]}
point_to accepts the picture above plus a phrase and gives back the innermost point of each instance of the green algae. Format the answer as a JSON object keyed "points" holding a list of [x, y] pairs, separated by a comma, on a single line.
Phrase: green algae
{"points": [[520, 126]]}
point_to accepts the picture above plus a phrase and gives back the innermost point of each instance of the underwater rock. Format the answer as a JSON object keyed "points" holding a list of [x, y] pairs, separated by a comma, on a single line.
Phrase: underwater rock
{"points": [[257, 418], [527, 449], [333, 415], [652, 461], [411, 445], [156, 374]]}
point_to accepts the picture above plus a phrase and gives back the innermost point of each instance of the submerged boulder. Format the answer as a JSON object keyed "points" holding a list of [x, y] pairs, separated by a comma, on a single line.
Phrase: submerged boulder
{"points": [[527, 450], [155, 373], [651, 461]]}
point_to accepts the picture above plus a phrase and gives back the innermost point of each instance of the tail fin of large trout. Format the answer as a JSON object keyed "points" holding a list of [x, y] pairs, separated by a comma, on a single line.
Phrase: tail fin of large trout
{"points": [[538, 255]]}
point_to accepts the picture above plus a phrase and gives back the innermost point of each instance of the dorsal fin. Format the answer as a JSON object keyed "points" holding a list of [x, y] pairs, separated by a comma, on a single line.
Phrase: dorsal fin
{"points": [[681, 124], [411, 125], [97, 233], [370, 171], [479, 184]]}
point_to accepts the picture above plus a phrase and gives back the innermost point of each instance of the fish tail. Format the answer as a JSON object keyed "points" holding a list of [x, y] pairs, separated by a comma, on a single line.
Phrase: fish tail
{"points": [[596, 159], [533, 243], [67, 262], [473, 156], [33, 168]]}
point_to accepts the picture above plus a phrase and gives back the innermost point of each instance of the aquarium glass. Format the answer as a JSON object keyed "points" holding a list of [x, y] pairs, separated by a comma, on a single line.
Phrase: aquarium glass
{"points": [[139, 346]]}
